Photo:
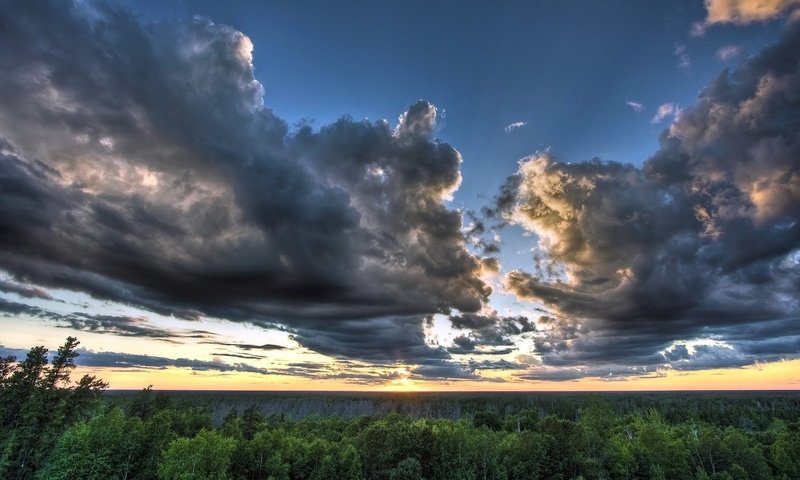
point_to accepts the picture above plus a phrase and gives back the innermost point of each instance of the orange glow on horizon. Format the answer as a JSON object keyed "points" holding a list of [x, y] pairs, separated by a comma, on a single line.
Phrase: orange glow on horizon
{"points": [[771, 376]]}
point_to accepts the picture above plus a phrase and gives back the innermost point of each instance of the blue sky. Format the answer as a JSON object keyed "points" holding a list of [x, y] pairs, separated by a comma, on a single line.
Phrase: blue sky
{"points": [[566, 69], [157, 205]]}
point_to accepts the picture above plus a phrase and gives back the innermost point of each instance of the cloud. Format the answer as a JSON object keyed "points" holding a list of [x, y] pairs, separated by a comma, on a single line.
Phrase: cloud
{"points": [[488, 329], [245, 356], [388, 341], [728, 52], [468, 345], [127, 360], [166, 183], [666, 110], [15, 308], [25, 291], [684, 61], [743, 12], [91, 358], [569, 374], [635, 106], [496, 365], [246, 346], [443, 371], [124, 326], [510, 128], [701, 242]]}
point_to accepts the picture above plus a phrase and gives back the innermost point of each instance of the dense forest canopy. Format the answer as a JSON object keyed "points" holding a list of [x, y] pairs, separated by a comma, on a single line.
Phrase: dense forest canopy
{"points": [[55, 429]]}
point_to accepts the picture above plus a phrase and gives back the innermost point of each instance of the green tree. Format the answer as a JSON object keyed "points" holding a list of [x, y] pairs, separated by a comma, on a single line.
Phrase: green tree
{"points": [[207, 456], [490, 420], [109, 446], [407, 469], [37, 403], [252, 421], [785, 452], [523, 455]]}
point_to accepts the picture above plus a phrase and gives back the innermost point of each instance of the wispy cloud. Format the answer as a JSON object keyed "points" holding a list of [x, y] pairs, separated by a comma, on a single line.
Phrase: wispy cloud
{"points": [[680, 52], [666, 110], [635, 106], [247, 346], [90, 358], [123, 325], [728, 52], [698, 29], [514, 126], [22, 290]]}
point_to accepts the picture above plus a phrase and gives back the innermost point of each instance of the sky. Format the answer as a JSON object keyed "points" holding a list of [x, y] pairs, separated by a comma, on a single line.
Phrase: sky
{"points": [[404, 196]]}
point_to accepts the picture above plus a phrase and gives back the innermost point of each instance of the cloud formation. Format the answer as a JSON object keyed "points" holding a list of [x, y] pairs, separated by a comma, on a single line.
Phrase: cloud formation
{"points": [[635, 106], [91, 358], [702, 241], [164, 182], [728, 52], [510, 128], [743, 12], [682, 56], [488, 330], [666, 110]]}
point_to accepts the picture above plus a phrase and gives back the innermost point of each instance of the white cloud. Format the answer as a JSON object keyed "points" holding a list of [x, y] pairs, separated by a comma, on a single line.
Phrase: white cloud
{"points": [[635, 106], [728, 52], [666, 110], [514, 126]]}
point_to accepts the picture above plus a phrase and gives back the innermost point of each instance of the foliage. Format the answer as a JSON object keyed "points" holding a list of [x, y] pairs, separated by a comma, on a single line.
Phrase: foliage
{"points": [[206, 456], [37, 403], [50, 432]]}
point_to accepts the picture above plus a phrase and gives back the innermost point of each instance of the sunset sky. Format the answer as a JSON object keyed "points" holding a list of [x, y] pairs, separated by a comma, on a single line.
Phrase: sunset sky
{"points": [[412, 195]]}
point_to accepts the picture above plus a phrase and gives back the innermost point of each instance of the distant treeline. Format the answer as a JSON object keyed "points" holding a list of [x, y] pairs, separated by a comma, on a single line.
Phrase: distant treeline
{"points": [[52, 430], [727, 408]]}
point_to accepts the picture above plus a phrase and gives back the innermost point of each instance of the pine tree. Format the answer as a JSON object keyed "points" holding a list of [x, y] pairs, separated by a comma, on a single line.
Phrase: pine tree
{"points": [[37, 403]]}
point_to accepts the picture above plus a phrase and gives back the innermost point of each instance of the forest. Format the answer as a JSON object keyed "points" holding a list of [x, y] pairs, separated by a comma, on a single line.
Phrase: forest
{"points": [[54, 428]]}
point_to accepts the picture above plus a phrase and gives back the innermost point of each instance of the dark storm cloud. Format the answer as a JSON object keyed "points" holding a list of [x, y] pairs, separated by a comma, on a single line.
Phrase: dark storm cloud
{"points": [[707, 356], [125, 326], [246, 346], [476, 232], [132, 361], [15, 308], [25, 291], [496, 365], [443, 371], [381, 341], [246, 356], [347, 372], [603, 372], [138, 164], [127, 360], [468, 345], [702, 241], [488, 330]]}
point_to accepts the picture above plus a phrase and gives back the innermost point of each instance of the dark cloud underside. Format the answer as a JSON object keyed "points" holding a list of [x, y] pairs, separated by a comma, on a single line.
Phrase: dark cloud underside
{"points": [[702, 241], [139, 164]]}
